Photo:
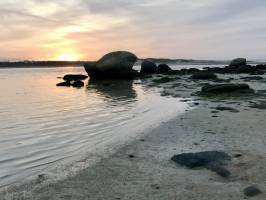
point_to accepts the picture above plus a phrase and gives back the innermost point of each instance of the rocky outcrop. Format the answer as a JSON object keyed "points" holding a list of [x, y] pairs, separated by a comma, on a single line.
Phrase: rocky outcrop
{"points": [[163, 68], [115, 65], [148, 67]]}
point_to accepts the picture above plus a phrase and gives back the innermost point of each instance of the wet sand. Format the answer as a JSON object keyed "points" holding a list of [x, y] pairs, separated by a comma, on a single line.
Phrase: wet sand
{"points": [[143, 168]]}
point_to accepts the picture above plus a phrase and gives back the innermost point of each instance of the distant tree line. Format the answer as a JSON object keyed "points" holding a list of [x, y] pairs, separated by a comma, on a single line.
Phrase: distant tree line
{"points": [[41, 63]]}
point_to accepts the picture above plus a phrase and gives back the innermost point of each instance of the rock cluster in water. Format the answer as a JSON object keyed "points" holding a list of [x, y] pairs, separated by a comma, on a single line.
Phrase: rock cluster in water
{"points": [[74, 80]]}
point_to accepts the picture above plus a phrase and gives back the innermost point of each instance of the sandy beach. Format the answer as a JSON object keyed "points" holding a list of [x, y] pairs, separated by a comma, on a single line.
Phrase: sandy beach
{"points": [[142, 169]]}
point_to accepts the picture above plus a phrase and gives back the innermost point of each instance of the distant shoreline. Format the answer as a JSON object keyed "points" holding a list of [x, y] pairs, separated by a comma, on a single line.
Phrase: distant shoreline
{"points": [[48, 64]]}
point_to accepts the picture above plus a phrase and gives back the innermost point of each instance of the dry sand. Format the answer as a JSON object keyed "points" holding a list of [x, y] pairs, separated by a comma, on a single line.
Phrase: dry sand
{"points": [[143, 169]]}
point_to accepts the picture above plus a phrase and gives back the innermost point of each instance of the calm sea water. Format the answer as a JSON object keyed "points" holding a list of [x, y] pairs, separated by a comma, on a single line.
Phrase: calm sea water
{"points": [[42, 125]]}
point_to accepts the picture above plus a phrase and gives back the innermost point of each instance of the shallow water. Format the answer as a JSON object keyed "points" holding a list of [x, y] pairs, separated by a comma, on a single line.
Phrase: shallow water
{"points": [[42, 125]]}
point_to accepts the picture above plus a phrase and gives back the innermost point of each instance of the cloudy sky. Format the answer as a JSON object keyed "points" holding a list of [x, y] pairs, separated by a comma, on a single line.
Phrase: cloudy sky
{"points": [[87, 29]]}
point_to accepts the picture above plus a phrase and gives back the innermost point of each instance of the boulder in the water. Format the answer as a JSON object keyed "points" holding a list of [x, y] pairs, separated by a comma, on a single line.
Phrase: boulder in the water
{"points": [[115, 65], [163, 68], [238, 62], [212, 160], [64, 84], [74, 77], [77, 84], [148, 67]]}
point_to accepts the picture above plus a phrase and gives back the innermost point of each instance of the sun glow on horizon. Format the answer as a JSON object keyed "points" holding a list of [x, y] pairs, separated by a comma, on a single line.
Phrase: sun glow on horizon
{"points": [[68, 57]]}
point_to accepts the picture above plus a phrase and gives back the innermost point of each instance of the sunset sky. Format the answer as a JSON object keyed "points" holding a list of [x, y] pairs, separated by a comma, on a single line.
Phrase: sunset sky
{"points": [[87, 29]]}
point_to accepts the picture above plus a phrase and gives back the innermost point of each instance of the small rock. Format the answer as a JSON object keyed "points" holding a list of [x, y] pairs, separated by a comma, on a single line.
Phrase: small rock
{"points": [[252, 191], [131, 156], [74, 77]]}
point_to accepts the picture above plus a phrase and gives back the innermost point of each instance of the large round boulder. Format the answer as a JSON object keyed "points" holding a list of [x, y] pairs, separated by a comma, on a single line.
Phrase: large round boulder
{"points": [[148, 67], [238, 62], [163, 68], [115, 65]]}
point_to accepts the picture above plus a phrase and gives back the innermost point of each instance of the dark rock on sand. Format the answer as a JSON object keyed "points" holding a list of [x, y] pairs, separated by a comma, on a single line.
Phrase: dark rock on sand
{"points": [[212, 160], [238, 62], [64, 84], [115, 65], [77, 84], [226, 88], [203, 76], [74, 77], [163, 68], [148, 67], [252, 191]]}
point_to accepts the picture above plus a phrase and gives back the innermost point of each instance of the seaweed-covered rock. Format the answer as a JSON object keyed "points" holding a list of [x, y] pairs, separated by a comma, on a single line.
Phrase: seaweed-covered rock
{"points": [[74, 77], [212, 160], [226, 88], [173, 72], [114, 65], [163, 80], [163, 68], [148, 67], [64, 84], [203, 76]]}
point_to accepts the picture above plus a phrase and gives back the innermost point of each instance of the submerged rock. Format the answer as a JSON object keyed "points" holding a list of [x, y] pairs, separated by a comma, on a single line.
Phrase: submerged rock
{"points": [[252, 78], [226, 88], [221, 108], [148, 67], [203, 76], [259, 105], [64, 84], [163, 80], [77, 84], [252, 191], [212, 160], [163, 68], [74, 77], [115, 65]]}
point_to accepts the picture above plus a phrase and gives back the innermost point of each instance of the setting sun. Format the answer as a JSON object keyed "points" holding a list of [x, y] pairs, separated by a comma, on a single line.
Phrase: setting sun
{"points": [[70, 57]]}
